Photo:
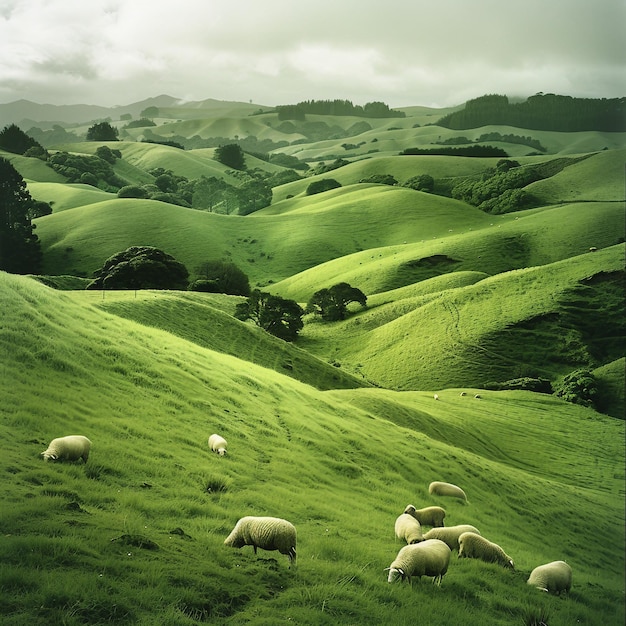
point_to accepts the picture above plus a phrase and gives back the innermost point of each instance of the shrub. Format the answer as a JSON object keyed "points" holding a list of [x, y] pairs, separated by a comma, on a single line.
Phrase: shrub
{"points": [[380, 179], [319, 186], [423, 182], [132, 191], [578, 387], [221, 277]]}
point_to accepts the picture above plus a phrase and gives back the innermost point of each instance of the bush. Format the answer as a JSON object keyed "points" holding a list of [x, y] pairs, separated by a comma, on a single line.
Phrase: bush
{"points": [[319, 186], [380, 179], [538, 385], [221, 277], [132, 191], [423, 182], [578, 387]]}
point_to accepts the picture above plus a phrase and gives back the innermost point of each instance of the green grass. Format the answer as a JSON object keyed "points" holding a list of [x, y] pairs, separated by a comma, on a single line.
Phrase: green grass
{"points": [[348, 462], [64, 196]]}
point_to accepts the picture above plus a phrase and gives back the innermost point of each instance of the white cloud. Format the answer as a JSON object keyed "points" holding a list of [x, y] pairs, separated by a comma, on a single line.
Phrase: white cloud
{"points": [[278, 51]]}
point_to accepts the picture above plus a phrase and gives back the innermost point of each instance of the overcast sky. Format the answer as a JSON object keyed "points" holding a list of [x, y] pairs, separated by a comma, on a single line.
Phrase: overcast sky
{"points": [[403, 52]]}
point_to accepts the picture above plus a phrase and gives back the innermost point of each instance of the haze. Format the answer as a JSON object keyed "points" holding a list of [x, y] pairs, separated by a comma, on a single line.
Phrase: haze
{"points": [[404, 52]]}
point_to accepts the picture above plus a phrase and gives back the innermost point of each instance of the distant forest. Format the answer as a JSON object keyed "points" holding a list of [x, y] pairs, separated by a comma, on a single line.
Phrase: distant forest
{"points": [[541, 112], [335, 107]]}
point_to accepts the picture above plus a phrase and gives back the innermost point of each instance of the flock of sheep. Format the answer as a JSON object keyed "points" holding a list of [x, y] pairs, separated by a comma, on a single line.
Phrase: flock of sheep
{"points": [[426, 554]]}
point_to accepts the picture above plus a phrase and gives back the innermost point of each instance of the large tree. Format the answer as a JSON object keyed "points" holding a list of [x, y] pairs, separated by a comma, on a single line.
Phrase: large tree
{"points": [[332, 304], [140, 267], [14, 139], [231, 155], [278, 316], [20, 251], [102, 131], [221, 277]]}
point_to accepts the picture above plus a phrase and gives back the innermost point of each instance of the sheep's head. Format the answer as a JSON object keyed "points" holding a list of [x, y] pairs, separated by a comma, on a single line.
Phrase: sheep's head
{"points": [[49, 456], [221, 451], [395, 574], [410, 509]]}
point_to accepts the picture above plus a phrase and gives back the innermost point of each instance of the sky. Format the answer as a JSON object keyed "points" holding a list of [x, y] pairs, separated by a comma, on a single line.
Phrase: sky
{"points": [[434, 53]]}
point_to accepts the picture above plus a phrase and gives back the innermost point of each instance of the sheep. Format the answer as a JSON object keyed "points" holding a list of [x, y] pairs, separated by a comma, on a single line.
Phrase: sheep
{"points": [[429, 516], [450, 534], [268, 533], [436, 396], [70, 448], [478, 396], [553, 577], [446, 489], [428, 558], [408, 529], [474, 546], [218, 444]]}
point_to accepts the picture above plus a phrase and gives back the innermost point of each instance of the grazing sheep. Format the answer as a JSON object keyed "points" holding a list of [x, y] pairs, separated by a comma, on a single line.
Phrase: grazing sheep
{"points": [[429, 516], [552, 577], [446, 489], [478, 396], [218, 444], [474, 546], [462, 394], [70, 448], [268, 533], [436, 396], [408, 529], [450, 534], [428, 558]]}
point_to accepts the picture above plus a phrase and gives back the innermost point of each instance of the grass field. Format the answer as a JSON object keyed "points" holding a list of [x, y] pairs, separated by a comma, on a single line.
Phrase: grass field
{"points": [[138, 531], [338, 431]]}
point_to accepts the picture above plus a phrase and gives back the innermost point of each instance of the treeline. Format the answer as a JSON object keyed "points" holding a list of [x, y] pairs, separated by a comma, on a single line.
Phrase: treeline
{"points": [[541, 112], [495, 136], [335, 107], [468, 151]]}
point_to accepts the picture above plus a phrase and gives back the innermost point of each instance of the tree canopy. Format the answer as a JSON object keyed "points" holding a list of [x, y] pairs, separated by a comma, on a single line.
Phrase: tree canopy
{"points": [[14, 139], [140, 267], [278, 316], [332, 304], [231, 155], [221, 277], [20, 251], [102, 131]]}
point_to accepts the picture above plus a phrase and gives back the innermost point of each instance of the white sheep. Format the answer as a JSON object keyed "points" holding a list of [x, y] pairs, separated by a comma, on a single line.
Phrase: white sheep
{"points": [[474, 546], [70, 448], [428, 516], [446, 489], [268, 533], [553, 577], [428, 558], [450, 534], [436, 396], [218, 444], [408, 529]]}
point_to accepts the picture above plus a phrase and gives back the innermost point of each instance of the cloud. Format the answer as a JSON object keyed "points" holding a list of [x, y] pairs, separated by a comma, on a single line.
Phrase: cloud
{"points": [[280, 51]]}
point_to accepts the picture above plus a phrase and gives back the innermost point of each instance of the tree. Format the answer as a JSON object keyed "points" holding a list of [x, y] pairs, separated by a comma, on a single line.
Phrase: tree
{"points": [[140, 267], [324, 184], [20, 251], [14, 139], [150, 112], [278, 316], [380, 179], [332, 304], [253, 195], [578, 387], [221, 277], [231, 155], [102, 131], [423, 182]]}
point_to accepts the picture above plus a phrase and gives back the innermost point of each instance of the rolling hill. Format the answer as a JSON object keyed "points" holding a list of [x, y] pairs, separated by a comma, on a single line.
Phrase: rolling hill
{"points": [[340, 430]]}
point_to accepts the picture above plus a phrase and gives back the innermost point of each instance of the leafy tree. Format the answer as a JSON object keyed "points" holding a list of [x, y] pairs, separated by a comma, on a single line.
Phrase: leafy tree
{"points": [[254, 194], [108, 155], [423, 182], [221, 277], [132, 191], [140, 267], [278, 316], [20, 251], [332, 304], [321, 185], [14, 139], [380, 179], [231, 155], [144, 122], [102, 131], [578, 387]]}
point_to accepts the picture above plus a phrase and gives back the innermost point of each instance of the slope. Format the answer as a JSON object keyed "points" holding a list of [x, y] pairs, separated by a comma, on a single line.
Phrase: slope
{"points": [[207, 320], [137, 533], [490, 330]]}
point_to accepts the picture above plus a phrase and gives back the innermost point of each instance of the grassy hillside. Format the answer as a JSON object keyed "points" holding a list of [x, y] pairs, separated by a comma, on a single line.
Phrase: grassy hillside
{"points": [[503, 327], [64, 196], [137, 533]]}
